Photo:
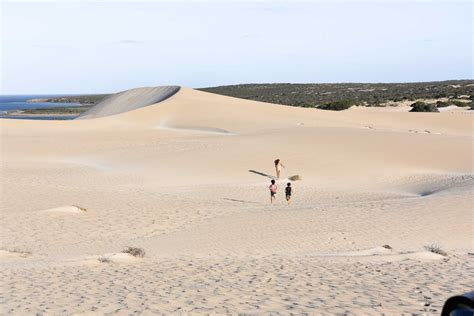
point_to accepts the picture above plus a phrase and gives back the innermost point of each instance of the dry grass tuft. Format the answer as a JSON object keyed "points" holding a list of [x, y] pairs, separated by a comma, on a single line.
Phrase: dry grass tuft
{"points": [[295, 178], [81, 208], [136, 252], [436, 249]]}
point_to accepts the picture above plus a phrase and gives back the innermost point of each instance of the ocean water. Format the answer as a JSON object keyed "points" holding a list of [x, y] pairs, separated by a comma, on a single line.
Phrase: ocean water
{"points": [[42, 117], [18, 102]]}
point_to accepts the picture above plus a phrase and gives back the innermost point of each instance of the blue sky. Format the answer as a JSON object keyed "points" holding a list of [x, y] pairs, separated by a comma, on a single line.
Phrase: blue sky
{"points": [[106, 46]]}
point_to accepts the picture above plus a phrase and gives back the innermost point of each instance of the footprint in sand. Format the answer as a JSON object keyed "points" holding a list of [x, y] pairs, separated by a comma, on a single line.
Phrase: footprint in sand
{"points": [[128, 255], [119, 257], [72, 209], [108, 258], [384, 253], [14, 254]]}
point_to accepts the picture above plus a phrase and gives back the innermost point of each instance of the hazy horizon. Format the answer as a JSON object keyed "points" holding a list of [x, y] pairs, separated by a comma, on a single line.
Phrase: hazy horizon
{"points": [[103, 47], [53, 94]]}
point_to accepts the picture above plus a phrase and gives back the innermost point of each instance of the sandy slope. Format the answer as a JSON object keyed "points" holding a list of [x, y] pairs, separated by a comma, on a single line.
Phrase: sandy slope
{"points": [[129, 100], [174, 178]]}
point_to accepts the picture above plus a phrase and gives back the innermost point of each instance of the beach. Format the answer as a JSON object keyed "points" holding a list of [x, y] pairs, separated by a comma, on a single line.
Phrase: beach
{"points": [[380, 222]]}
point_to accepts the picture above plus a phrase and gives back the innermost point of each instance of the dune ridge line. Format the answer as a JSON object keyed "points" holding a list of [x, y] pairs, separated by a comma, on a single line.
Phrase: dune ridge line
{"points": [[129, 100]]}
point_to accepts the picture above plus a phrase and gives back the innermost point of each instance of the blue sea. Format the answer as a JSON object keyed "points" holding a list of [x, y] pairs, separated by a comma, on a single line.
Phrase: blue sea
{"points": [[18, 102]]}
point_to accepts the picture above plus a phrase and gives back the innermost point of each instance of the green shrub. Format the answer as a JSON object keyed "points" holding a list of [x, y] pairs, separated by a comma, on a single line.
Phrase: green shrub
{"points": [[423, 107], [338, 105], [460, 103], [443, 104], [457, 103]]}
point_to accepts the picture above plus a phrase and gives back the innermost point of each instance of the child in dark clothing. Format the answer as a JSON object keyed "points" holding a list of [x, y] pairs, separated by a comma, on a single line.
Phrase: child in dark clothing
{"points": [[288, 192]]}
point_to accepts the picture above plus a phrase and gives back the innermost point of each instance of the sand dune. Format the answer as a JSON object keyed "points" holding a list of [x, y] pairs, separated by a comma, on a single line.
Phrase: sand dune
{"points": [[129, 100], [184, 174]]}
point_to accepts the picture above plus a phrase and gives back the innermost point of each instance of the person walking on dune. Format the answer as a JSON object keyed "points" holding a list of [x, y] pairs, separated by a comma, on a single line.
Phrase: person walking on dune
{"points": [[273, 190], [278, 166]]}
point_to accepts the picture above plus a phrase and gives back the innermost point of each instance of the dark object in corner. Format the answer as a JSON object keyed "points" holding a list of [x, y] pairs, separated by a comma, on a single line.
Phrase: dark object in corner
{"points": [[461, 305]]}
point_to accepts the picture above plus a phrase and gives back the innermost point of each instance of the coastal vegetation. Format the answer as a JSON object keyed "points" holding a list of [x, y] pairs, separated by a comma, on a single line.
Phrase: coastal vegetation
{"points": [[81, 99], [58, 110], [366, 94], [326, 96]]}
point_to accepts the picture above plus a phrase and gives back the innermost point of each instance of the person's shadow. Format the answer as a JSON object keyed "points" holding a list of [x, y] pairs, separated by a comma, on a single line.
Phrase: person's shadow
{"points": [[263, 174]]}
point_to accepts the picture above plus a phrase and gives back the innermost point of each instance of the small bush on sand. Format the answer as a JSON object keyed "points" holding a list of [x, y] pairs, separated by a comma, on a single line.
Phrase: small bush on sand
{"points": [[136, 252], [338, 105], [443, 104], [436, 249], [387, 247], [469, 104], [424, 107], [457, 103], [460, 103]]}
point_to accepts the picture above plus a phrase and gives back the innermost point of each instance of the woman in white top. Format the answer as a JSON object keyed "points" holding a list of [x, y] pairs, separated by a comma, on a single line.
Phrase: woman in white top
{"points": [[278, 166]]}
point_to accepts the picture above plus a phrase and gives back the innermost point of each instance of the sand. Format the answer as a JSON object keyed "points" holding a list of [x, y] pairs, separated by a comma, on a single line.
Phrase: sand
{"points": [[186, 179]]}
